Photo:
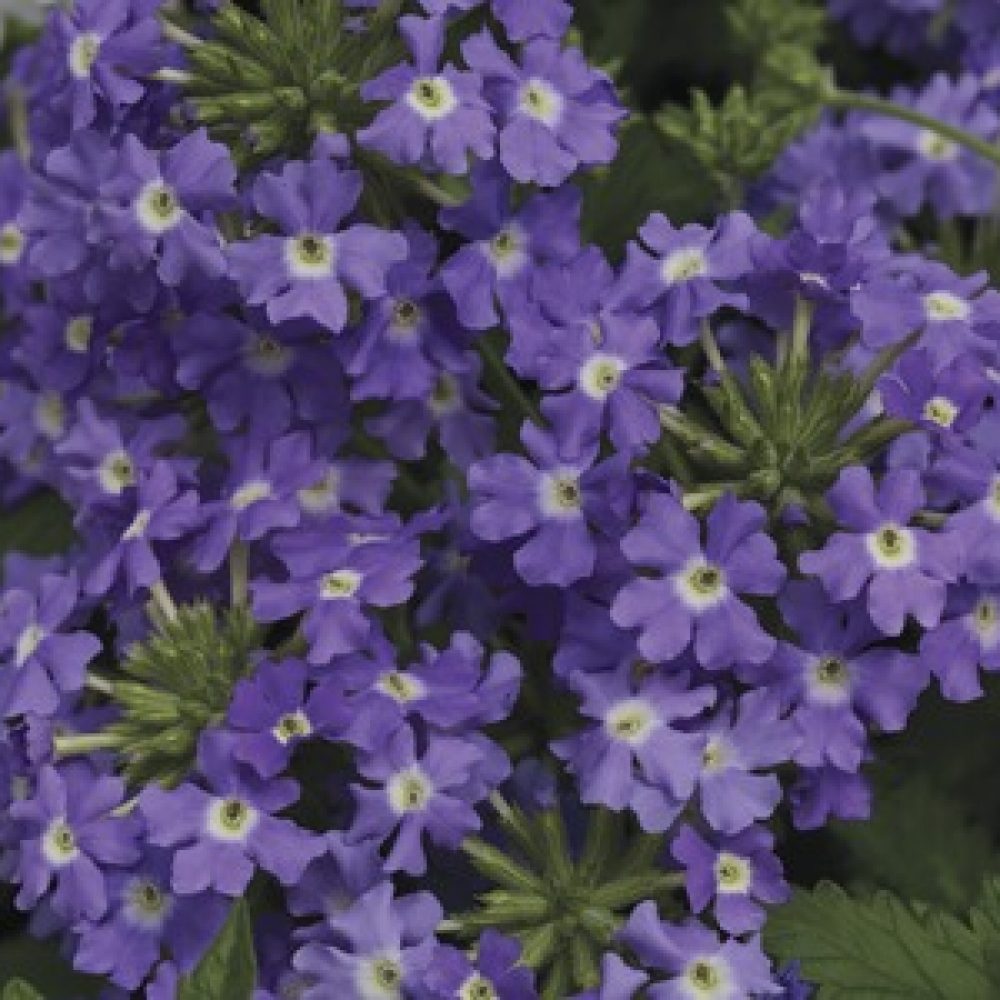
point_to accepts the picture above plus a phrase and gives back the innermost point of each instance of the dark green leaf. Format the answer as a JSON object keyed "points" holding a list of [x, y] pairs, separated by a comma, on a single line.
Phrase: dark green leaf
{"points": [[25, 959], [880, 948], [228, 971], [40, 526], [944, 865]]}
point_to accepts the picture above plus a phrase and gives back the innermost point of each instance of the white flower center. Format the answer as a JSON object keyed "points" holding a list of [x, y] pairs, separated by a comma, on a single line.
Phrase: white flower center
{"points": [[401, 687], [445, 398], [715, 756], [409, 790], [116, 472], [231, 820], [733, 874], [157, 208], [707, 978], [266, 356], [992, 501], [941, 411], [310, 256], [892, 546], [630, 721], [538, 99], [11, 243], [406, 318], [83, 54], [600, 376], [560, 494], [28, 642], [50, 414], [984, 620], [701, 585], [477, 987], [507, 250], [340, 585], [77, 334], [146, 904], [249, 494], [936, 147], [432, 97], [380, 977], [943, 306], [59, 844], [293, 726], [683, 265], [828, 679], [323, 495]]}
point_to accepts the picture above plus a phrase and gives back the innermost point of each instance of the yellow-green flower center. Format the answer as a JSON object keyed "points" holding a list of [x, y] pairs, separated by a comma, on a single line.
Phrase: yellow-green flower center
{"points": [[11, 243], [432, 97], [310, 255], [733, 874], [83, 54], [292, 726], [340, 585], [941, 411], [683, 265], [476, 987], [892, 546], [943, 306], [158, 208], [409, 790], [59, 843]]}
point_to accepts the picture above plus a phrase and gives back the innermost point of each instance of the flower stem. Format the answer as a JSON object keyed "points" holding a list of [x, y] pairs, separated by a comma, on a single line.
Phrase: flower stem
{"points": [[238, 574], [711, 347], [99, 684], [163, 601], [800, 331], [846, 99], [74, 744], [503, 384]]}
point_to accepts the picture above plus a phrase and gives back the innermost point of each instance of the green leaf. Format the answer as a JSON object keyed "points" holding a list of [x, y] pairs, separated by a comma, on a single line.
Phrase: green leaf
{"points": [[944, 865], [881, 948], [18, 989], [40, 526], [228, 970]]}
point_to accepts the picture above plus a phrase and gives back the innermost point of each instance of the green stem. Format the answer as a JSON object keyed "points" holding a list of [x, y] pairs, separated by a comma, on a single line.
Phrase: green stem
{"points": [[72, 744], [800, 331], [503, 384], [238, 574], [163, 601], [846, 99], [99, 684], [711, 347], [434, 192]]}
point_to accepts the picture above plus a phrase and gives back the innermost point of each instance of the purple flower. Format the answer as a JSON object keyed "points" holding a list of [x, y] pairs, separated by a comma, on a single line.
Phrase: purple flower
{"points": [[525, 19], [144, 916], [923, 167], [259, 494], [697, 962], [271, 714], [685, 275], [966, 640], [556, 113], [13, 238], [106, 47], [502, 246], [416, 793], [437, 116], [902, 570], [745, 737], [551, 502], [409, 335], [303, 272], [40, 659], [381, 947], [977, 525], [959, 316], [333, 882], [495, 973], [160, 513], [221, 834], [827, 792], [447, 690], [67, 836], [739, 873], [693, 598], [633, 756], [254, 373], [163, 205], [838, 677], [336, 574], [944, 399]]}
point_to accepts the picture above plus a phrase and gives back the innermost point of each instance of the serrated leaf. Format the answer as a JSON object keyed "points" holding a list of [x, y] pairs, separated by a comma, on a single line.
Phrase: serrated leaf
{"points": [[944, 865], [228, 970], [18, 989], [879, 948]]}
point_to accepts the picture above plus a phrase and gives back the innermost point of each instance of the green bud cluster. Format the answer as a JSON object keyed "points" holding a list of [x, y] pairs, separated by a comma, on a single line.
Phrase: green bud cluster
{"points": [[782, 436], [177, 683], [564, 910], [271, 83]]}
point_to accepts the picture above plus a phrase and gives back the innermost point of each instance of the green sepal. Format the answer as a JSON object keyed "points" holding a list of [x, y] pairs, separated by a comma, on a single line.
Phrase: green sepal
{"points": [[499, 868], [18, 989]]}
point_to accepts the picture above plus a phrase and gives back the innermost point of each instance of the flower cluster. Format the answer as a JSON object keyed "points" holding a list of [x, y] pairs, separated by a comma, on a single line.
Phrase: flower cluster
{"points": [[419, 546]]}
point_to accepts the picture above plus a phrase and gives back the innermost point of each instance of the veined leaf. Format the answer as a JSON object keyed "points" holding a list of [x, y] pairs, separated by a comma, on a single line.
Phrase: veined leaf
{"points": [[228, 970]]}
